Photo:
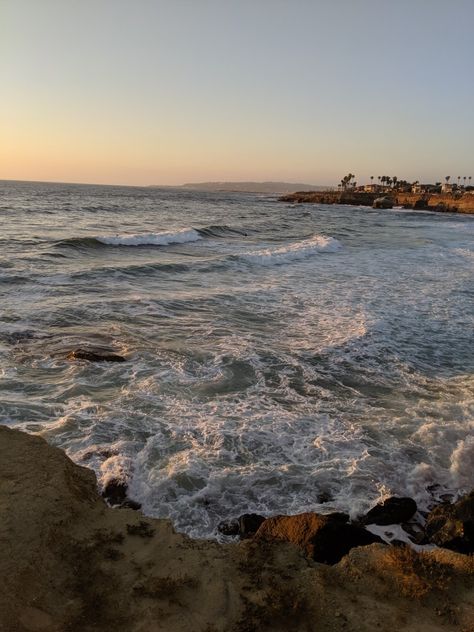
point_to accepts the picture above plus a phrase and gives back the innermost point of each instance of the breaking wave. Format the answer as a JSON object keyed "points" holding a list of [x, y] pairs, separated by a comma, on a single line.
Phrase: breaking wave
{"points": [[183, 236], [291, 252], [165, 238]]}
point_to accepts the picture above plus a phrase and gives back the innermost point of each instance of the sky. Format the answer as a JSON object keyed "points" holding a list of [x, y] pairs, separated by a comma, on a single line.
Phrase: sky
{"points": [[172, 91]]}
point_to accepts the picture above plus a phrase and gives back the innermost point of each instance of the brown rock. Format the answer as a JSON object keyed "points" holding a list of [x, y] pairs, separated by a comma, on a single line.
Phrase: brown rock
{"points": [[451, 525], [325, 539]]}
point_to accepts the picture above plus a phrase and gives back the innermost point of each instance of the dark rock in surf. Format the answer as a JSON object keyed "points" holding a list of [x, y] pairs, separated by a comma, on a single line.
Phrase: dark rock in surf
{"points": [[421, 204], [244, 526], [325, 539], [451, 525], [383, 202], [249, 524], [131, 504], [115, 493], [393, 510], [324, 497], [229, 527], [94, 356]]}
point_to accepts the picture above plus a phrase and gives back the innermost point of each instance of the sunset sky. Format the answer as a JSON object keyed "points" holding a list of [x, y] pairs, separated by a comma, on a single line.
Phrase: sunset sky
{"points": [[173, 91]]}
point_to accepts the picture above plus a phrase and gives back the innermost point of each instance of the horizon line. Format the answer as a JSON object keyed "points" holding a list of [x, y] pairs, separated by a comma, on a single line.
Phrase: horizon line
{"points": [[171, 186]]}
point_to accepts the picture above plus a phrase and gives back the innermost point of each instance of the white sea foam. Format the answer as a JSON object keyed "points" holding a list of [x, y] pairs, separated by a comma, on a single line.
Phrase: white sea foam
{"points": [[291, 252], [462, 464], [182, 236], [116, 468]]}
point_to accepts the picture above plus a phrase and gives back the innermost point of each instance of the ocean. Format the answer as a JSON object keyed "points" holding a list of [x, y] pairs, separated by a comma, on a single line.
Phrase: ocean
{"points": [[279, 358]]}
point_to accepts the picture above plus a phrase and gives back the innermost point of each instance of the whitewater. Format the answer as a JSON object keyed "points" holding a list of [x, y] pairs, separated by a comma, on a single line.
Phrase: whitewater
{"points": [[278, 358]]}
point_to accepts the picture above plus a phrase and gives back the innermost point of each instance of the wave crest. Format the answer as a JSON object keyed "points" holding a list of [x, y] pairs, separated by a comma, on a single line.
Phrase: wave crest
{"points": [[292, 252], [182, 236]]}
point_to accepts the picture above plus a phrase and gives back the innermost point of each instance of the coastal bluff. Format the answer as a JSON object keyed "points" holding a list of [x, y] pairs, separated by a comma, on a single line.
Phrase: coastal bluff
{"points": [[442, 202], [71, 563]]}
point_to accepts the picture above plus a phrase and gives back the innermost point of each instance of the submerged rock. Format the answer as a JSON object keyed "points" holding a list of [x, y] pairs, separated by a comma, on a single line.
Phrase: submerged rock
{"points": [[393, 510], [451, 525], [94, 356], [325, 539]]}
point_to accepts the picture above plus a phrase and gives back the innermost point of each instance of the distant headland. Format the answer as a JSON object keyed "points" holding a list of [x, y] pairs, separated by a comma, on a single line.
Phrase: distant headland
{"points": [[277, 188], [449, 197]]}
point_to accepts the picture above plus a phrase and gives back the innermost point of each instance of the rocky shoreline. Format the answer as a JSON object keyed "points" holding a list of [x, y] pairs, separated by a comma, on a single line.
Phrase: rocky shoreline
{"points": [[70, 562], [446, 203]]}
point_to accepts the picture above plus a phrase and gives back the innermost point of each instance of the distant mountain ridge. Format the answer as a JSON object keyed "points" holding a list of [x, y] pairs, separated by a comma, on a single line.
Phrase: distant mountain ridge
{"points": [[254, 187]]}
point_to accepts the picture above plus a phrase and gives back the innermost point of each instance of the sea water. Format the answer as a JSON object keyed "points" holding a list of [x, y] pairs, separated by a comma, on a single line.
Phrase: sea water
{"points": [[279, 358]]}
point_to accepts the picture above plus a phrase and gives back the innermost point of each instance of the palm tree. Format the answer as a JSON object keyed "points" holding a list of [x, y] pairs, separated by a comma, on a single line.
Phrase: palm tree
{"points": [[372, 179], [447, 179], [464, 178], [459, 177], [469, 180], [346, 180]]}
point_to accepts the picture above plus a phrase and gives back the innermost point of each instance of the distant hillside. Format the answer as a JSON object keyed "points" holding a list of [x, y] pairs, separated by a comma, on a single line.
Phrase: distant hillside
{"points": [[279, 188]]}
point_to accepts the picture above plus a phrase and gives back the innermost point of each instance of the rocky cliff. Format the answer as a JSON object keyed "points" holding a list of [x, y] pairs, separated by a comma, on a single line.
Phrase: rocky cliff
{"points": [[68, 562], [433, 202]]}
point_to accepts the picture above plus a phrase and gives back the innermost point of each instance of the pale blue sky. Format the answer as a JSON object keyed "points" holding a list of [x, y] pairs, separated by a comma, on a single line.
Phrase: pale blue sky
{"points": [[168, 91]]}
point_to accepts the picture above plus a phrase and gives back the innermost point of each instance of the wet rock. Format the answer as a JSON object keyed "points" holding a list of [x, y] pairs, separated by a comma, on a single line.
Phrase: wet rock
{"points": [[131, 504], [94, 356], [415, 532], [325, 539], [249, 524], [451, 525], [245, 526], [383, 202], [324, 497], [420, 204], [229, 527], [115, 493], [393, 510]]}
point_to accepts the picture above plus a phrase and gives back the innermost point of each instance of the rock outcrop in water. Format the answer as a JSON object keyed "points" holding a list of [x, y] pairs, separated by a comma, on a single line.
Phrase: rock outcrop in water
{"points": [[445, 203], [383, 202], [244, 526], [115, 493], [68, 562], [393, 510], [94, 356]]}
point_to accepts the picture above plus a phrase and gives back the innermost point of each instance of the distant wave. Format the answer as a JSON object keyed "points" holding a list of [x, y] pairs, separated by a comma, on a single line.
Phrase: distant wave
{"points": [[183, 236], [291, 252]]}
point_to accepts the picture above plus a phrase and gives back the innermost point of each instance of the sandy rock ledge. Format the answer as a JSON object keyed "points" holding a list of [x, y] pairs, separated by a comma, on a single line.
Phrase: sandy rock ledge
{"points": [[68, 562]]}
